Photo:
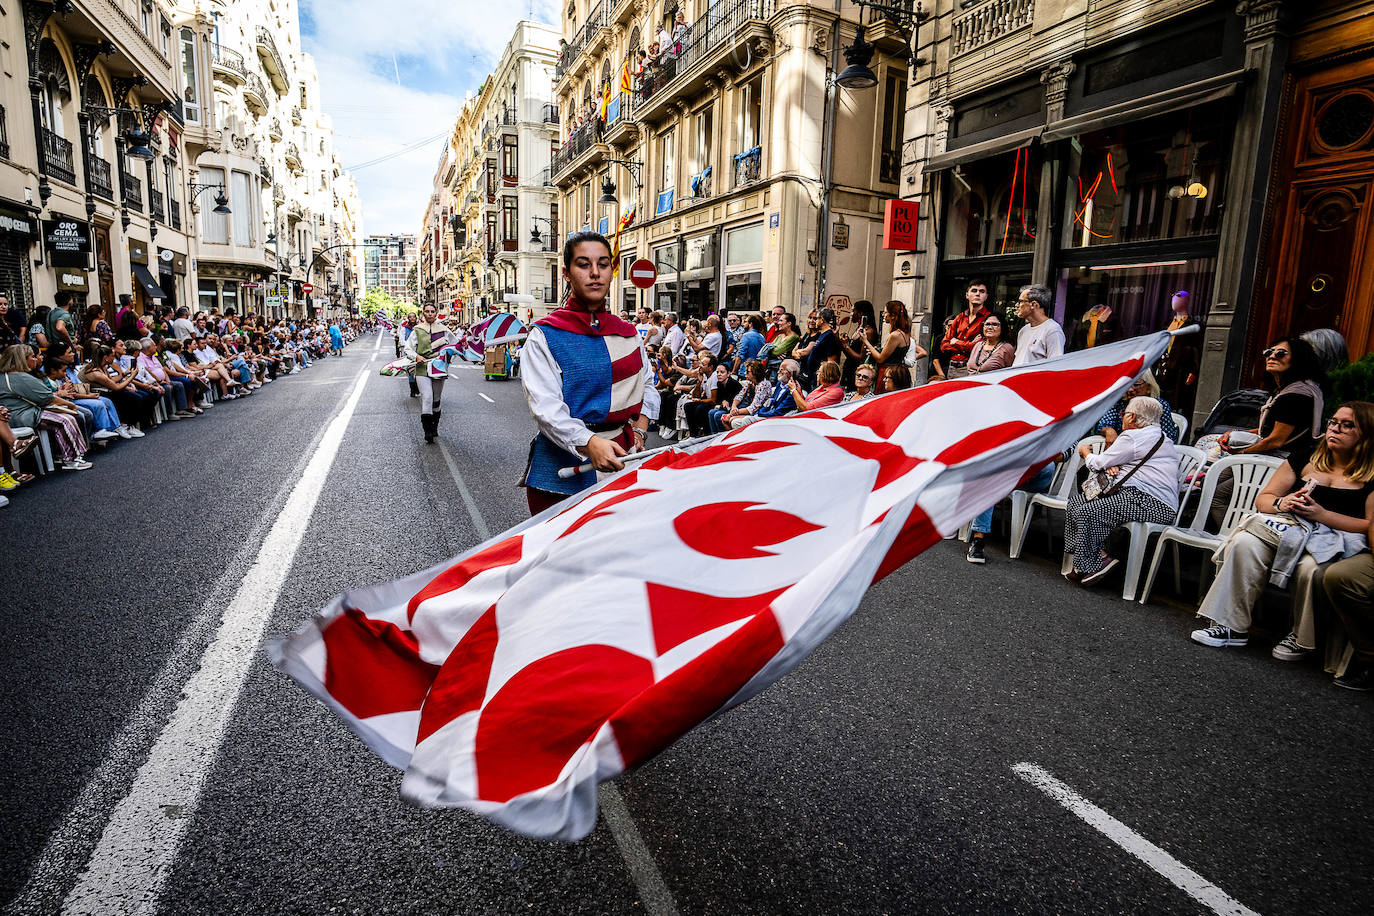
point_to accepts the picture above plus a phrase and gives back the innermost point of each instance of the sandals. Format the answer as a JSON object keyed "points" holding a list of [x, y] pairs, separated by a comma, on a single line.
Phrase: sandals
{"points": [[22, 446]]}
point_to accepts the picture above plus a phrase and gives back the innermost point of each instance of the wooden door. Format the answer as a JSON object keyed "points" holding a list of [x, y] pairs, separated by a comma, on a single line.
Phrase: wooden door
{"points": [[104, 269], [1322, 248]]}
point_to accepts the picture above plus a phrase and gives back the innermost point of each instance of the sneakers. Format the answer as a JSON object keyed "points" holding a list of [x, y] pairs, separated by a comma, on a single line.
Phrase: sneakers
{"points": [[1288, 649], [80, 464], [975, 552], [123, 431], [101, 435], [7, 482], [1090, 578], [4, 501], [1357, 676], [134, 432], [1220, 636]]}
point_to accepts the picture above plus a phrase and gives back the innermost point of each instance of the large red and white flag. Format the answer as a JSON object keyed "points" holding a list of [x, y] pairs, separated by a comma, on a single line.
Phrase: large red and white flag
{"points": [[514, 679]]}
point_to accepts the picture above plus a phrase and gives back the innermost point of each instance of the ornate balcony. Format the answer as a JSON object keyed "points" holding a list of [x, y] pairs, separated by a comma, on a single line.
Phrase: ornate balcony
{"points": [[100, 178], [575, 54], [133, 192], [272, 61], [255, 94], [988, 23], [582, 141], [155, 209], [728, 26], [229, 66], [57, 157], [274, 129], [174, 211], [278, 193], [295, 114], [747, 167], [293, 157]]}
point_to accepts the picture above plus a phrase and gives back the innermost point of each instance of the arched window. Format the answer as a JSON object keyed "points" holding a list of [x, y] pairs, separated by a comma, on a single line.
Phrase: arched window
{"points": [[57, 86], [634, 43], [93, 94]]}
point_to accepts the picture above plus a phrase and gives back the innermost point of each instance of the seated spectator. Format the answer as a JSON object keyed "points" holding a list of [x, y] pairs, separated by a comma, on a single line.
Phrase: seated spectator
{"points": [[780, 403], [1290, 421], [203, 357], [1144, 387], [1142, 467], [99, 419], [992, 351], [696, 386], [13, 328], [12, 448], [863, 383], [184, 374], [752, 397], [131, 405], [819, 346], [1348, 587], [149, 363], [1312, 511], [32, 403], [827, 393], [896, 378], [721, 399]]}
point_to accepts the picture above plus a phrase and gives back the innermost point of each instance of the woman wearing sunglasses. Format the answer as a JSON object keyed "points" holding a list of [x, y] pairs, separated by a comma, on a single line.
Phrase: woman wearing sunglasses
{"points": [[1312, 511], [1292, 417]]}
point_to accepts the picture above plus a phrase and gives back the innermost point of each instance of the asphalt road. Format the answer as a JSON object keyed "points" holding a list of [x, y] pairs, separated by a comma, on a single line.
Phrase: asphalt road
{"points": [[876, 778]]}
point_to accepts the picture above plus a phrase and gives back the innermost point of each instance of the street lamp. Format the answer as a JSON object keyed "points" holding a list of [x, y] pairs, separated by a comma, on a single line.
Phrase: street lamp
{"points": [[221, 202], [537, 237], [636, 170], [858, 75]]}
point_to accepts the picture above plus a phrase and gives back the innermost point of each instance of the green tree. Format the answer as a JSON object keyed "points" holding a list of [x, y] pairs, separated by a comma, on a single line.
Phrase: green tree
{"points": [[413, 282], [378, 299]]}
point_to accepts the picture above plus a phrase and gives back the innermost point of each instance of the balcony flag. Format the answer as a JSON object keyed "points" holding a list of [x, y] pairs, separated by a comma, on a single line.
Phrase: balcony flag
{"points": [[625, 76], [625, 220], [512, 679]]}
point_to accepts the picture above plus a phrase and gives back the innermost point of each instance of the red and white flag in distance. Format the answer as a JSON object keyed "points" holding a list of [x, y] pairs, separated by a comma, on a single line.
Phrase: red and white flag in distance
{"points": [[512, 680]]}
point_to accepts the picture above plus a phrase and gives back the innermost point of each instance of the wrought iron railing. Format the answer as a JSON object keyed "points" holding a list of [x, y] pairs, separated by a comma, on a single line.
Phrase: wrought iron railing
{"points": [[598, 19], [988, 23], [155, 208], [720, 24], [747, 167], [174, 211], [231, 60], [577, 144], [101, 177], [4, 135], [550, 114], [133, 192], [57, 157]]}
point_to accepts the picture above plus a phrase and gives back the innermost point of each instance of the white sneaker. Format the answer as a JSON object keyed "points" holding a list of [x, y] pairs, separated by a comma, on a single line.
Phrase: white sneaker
{"points": [[4, 500], [102, 434], [135, 432], [77, 465], [123, 431]]}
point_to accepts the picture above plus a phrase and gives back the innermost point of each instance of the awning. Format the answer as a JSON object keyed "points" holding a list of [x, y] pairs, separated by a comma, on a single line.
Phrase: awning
{"points": [[145, 280], [1190, 96], [983, 150]]}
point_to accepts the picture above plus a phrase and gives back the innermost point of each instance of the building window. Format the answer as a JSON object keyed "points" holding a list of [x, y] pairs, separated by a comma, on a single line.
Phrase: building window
{"points": [[214, 227], [145, 16], [994, 206], [209, 295], [510, 222], [303, 97], [700, 169], [751, 115], [510, 160], [667, 162], [242, 194], [553, 224], [894, 114]]}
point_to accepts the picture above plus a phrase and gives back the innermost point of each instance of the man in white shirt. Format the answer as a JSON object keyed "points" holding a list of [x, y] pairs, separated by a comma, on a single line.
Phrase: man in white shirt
{"points": [[642, 324], [1041, 338], [674, 338], [182, 327]]}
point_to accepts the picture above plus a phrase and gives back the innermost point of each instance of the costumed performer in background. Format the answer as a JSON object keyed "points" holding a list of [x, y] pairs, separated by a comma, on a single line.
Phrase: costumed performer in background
{"points": [[426, 339], [583, 373]]}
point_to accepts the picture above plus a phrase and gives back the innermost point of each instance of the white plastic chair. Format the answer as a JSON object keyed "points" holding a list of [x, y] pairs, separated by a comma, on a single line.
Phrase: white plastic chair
{"points": [[1190, 461], [1023, 503], [42, 454], [1251, 472], [1182, 423]]}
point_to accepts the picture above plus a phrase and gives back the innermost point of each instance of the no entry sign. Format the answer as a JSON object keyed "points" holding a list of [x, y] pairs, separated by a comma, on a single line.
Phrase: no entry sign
{"points": [[307, 288], [643, 273]]}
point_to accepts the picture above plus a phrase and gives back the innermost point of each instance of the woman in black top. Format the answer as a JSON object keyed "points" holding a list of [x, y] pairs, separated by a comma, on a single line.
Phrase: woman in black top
{"points": [[1332, 493], [1291, 418]]}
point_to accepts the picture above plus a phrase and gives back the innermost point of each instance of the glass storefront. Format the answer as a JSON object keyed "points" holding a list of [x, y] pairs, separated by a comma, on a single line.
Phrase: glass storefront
{"points": [[1138, 295], [993, 205]]}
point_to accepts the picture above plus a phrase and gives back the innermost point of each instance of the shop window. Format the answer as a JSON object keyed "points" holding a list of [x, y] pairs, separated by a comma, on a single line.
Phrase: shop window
{"points": [[744, 246], [1138, 295], [744, 292], [209, 295], [994, 205], [1158, 179]]}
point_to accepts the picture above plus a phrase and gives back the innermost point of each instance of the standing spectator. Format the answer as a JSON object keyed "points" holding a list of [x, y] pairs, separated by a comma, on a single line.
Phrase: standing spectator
{"points": [[653, 338], [182, 327], [966, 331], [128, 326], [1041, 338], [673, 336], [787, 339], [59, 324], [751, 342], [866, 331], [992, 352], [37, 336], [820, 345], [12, 328], [774, 323], [896, 340]]}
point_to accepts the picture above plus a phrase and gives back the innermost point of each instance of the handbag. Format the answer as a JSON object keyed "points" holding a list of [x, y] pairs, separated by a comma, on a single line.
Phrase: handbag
{"points": [[1100, 483], [1269, 527]]}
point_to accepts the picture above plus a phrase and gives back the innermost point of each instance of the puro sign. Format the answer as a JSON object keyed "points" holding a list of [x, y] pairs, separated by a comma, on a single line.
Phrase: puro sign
{"points": [[900, 219]]}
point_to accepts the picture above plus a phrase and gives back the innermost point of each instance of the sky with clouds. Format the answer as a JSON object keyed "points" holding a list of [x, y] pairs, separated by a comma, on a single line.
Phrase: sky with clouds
{"points": [[393, 74]]}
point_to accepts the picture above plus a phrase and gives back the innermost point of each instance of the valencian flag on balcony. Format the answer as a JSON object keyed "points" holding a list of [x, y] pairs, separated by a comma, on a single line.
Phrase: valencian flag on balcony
{"points": [[513, 679], [625, 76], [626, 220]]}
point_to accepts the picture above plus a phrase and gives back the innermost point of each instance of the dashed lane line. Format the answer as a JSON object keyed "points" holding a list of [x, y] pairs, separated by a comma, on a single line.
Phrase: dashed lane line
{"points": [[485, 398], [648, 880], [138, 847], [1183, 877]]}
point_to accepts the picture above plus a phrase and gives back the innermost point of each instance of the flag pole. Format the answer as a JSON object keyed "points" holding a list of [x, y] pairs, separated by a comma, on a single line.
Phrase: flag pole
{"points": [[567, 473]]}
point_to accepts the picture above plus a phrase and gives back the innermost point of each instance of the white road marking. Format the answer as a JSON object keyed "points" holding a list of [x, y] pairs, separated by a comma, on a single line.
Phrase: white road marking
{"points": [[378, 345], [1187, 880], [653, 890], [137, 849], [485, 398]]}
